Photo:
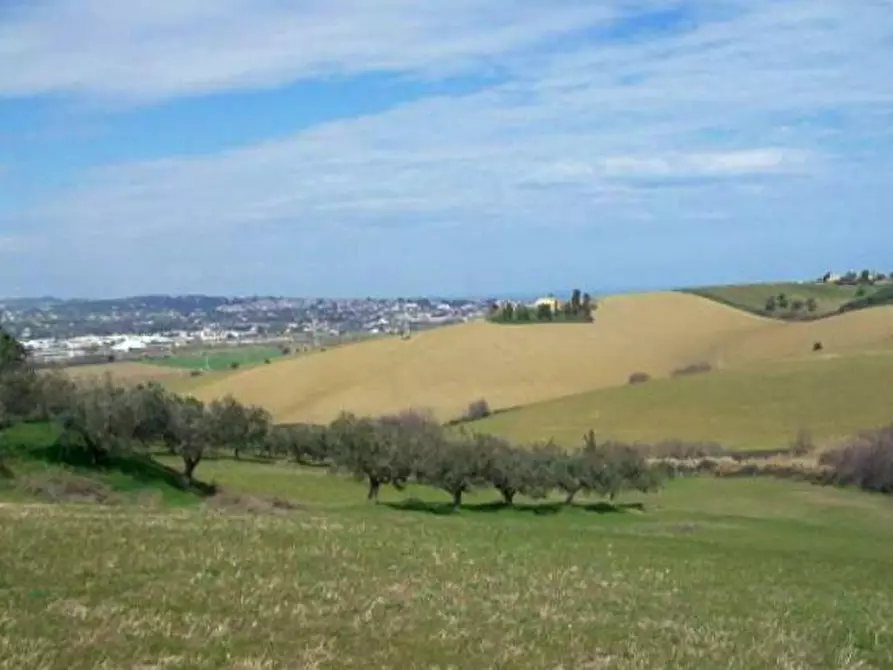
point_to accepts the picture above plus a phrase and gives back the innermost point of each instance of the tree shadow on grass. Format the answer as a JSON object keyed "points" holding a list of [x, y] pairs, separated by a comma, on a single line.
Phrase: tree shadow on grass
{"points": [[141, 468], [498, 507]]}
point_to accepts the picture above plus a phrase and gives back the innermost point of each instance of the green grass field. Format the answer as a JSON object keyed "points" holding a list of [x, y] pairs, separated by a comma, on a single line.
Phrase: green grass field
{"points": [[752, 297], [762, 408], [714, 573], [221, 359]]}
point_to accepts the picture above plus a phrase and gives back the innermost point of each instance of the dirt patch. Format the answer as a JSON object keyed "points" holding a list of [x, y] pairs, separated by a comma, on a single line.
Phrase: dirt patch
{"points": [[247, 504], [68, 488]]}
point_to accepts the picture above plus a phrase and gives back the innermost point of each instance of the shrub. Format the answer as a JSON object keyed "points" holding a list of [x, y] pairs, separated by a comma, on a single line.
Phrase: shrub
{"points": [[267, 361], [195, 373], [234, 365], [639, 378], [285, 351], [693, 369], [479, 409], [677, 449], [817, 346], [867, 462]]}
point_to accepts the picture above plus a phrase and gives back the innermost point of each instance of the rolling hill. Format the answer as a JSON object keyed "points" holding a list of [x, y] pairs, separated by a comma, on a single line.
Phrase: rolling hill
{"points": [[446, 369], [829, 298], [762, 407]]}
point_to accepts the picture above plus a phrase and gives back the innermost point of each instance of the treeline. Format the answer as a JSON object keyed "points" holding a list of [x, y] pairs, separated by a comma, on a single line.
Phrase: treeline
{"points": [[105, 421], [413, 447], [577, 309]]}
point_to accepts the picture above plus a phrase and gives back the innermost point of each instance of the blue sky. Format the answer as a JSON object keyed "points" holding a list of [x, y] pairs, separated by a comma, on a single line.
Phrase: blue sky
{"points": [[352, 148]]}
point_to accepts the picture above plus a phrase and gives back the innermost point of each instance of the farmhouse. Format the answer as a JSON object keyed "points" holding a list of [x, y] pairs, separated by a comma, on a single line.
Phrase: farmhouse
{"points": [[553, 303]]}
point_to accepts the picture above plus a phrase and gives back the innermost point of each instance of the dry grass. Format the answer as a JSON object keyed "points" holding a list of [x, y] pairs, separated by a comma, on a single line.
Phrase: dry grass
{"points": [[736, 574], [839, 335], [446, 369], [515, 366], [126, 373]]}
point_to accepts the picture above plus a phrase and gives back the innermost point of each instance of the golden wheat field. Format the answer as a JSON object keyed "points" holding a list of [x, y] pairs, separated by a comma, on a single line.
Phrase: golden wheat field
{"points": [[127, 373], [445, 369]]}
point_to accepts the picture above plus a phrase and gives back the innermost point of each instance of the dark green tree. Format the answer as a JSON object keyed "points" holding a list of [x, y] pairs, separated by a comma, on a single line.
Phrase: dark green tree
{"points": [[13, 354], [544, 312], [576, 303]]}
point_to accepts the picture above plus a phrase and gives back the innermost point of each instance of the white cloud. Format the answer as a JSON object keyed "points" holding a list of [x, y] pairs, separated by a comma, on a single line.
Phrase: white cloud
{"points": [[723, 123], [150, 49]]}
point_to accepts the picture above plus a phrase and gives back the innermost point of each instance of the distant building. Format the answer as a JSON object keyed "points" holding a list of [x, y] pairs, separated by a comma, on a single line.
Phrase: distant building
{"points": [[553, 303]]}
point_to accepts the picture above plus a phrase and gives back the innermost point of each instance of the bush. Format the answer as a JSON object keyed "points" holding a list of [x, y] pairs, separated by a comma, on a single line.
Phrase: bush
{"points": [[267, 361], [285, 351], [479, 409], [693, 369], [677, 449], [195, 373], [867, 462], [234, 365], [817, 346], [639, 378]]}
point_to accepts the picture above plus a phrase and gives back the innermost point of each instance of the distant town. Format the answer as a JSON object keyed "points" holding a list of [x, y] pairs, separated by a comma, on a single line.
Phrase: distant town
{"points": [[71, 331]]}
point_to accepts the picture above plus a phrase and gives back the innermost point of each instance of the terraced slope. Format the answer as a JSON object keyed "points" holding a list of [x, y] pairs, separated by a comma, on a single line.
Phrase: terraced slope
{"points": [[446, 369]]}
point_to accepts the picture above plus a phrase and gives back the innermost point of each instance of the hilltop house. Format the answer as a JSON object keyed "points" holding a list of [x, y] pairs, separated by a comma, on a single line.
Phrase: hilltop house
{"points": [[553, 303]]}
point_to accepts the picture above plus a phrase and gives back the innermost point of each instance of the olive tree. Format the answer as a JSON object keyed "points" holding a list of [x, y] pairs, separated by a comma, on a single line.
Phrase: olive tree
{"points": [[512, 470], [189, 433], [455, 465], [365, 450], [238, 427], [307, 444], [105, 417]]}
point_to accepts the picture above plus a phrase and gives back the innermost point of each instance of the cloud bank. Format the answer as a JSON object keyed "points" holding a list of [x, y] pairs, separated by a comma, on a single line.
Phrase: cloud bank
{"points": [[730, 125]]}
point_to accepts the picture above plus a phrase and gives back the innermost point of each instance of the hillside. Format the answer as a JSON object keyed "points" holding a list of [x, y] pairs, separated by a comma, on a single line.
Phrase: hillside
{"points": [[446, 369], [827, 299], [831, 396], [127, 373], [36, 466]]}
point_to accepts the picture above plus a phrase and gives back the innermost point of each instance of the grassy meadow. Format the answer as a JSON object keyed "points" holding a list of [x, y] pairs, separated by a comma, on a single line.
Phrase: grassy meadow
{"points": [[221, 358], [832, 397], [713, 573], [829, 298]]}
